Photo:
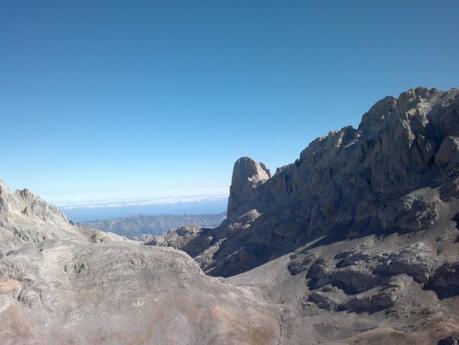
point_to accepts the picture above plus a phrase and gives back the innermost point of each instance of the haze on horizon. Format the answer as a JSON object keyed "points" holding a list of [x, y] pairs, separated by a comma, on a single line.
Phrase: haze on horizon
{"points": [[158, 99]]}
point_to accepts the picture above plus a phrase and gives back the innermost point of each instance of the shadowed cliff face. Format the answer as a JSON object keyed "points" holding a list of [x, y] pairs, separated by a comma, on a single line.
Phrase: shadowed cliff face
{"points": [[371, 180]]}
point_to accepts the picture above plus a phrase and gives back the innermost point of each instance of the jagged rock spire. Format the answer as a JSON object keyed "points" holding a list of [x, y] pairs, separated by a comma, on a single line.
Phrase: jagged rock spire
{"points": [[247, 176]]}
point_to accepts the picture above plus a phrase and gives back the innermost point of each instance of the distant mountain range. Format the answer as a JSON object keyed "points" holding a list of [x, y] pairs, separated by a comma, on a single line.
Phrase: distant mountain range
{"points": [[136, 226], [111, 209]]}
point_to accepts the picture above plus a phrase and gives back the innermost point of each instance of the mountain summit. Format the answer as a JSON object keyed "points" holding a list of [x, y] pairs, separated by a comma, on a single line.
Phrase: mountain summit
{"points": [[392, 174], [247, 176]]}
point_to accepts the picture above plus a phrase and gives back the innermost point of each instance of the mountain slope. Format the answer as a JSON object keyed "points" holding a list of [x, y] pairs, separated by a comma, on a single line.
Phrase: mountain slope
{"points": [[62, 284]]}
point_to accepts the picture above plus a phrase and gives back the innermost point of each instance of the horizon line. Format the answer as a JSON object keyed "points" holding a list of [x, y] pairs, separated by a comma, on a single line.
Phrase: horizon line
{"points": [[113, 203]]}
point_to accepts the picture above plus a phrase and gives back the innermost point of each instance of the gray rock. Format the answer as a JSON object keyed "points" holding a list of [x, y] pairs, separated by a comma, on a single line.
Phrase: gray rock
{"points": [[445, 281], [355, 272], [417, 261], [351, 279], [413, 212], [328, 298], [177, 238], [247, 176], [352, 258], [299, 262], [448, 153], [371, 304], [379, 178]]}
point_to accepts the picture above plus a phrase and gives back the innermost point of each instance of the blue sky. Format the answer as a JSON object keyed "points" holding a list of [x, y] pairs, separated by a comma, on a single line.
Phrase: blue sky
{"points": [[132, 99]]}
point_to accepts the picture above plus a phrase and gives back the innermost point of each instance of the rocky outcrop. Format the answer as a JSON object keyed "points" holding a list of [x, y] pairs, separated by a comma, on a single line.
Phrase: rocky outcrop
{"points": [[25, 218], [247, 176], [23, 202], [445, 281], [373, 303], [448, 153], [390, 175], [177, 238], [360, 281], [415, 211], [299, 262], [352, 279], [417, 261], [328, 297], [357, 271]]}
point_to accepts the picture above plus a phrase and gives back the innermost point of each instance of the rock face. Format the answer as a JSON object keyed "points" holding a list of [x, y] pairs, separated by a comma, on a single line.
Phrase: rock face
{"points": [[247, 176], [392, 174]]}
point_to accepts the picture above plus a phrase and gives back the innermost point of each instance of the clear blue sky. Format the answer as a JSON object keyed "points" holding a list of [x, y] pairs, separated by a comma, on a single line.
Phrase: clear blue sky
{"points": [[128, 99]]}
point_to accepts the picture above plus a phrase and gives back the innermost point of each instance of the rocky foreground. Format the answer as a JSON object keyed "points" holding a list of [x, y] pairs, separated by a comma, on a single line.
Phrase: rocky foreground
{"points": [[356, 242], [61, 284]]}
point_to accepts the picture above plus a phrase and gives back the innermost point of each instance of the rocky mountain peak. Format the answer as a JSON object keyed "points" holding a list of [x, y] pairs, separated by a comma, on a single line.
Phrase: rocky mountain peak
{"points": [[3, 187], [20, 209], [247, 176], [389, 175], [415, 108], [57, 279]]}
